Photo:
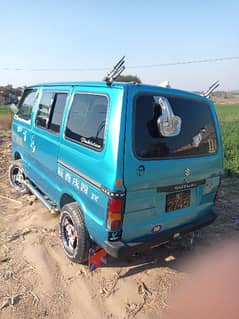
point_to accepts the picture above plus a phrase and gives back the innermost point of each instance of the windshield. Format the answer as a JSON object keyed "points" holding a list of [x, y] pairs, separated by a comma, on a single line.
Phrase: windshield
{"points": [[196, 138]]}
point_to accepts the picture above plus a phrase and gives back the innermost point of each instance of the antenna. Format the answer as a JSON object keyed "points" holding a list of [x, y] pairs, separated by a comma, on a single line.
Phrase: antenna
{"points": [[211, 89], [116, 71]]}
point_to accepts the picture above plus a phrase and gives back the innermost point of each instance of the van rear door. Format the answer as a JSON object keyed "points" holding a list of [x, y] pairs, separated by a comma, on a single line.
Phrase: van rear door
{"points": [[170, 181]]}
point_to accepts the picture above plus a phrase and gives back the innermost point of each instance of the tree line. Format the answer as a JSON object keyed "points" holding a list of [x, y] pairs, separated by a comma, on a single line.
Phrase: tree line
{"points": [[9, 94]]}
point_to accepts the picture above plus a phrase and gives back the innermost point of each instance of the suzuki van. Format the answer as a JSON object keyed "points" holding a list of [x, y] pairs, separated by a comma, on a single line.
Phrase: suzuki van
{"points": [[127, 166]]}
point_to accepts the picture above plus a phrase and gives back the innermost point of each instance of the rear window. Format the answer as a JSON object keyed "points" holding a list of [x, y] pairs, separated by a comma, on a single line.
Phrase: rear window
{"points": [[197, 136]]}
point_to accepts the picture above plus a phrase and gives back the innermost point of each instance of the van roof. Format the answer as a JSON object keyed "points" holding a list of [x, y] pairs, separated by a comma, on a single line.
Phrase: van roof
{"points": [[121, 85], [87, 84]]}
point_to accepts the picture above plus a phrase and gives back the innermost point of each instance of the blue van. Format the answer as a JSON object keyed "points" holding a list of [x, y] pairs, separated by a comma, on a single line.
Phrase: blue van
{"points": [[128, 166]]}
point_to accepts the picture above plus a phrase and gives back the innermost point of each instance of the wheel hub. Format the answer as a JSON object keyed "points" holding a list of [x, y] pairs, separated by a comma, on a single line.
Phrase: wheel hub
{"points": [[70, 234], [19, 177]]}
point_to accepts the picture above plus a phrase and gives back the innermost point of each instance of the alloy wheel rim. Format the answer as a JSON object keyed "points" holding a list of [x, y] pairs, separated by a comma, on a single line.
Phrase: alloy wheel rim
{"points": [[17, 178], [69, 234]]}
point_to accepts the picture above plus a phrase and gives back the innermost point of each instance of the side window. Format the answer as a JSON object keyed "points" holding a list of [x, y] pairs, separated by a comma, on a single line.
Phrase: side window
{"points": [[86, 121], [51, 110], [58, 111], [26, 104], [44, 109]]}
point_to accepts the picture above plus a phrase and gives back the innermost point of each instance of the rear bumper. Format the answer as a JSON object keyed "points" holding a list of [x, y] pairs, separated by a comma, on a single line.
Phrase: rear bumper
{"points": [[120, 249]]}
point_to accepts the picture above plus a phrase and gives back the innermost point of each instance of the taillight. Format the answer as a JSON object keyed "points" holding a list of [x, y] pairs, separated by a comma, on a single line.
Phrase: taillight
{"points": [[219, 189], [115, 213]]}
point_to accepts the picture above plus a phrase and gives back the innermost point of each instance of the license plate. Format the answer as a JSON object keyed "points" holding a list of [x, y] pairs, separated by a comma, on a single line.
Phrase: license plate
{"points": [[177, 200]]}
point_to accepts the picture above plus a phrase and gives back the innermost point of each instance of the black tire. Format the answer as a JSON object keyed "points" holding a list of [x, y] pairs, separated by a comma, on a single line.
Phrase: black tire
{"points": [[17, 177], [73, 233]]}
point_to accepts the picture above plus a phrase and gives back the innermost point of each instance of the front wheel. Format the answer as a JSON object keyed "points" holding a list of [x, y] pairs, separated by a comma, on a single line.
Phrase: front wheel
{"points": [[73, 233], [17, 177]]}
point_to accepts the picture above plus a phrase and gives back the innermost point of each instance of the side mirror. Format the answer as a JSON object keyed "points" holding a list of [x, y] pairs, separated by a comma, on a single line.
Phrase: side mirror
{"points": [[13, 108], [168, 123]]}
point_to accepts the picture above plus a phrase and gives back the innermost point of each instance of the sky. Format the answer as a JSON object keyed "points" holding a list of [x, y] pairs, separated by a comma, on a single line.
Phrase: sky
{"points": [[44, 40]]}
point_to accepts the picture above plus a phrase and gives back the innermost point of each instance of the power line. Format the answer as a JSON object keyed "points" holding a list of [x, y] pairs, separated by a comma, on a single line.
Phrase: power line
{"points": [[146, 66], [187, 62]]}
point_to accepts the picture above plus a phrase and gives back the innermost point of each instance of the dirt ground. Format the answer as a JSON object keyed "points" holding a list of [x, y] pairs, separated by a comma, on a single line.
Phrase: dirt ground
{"points": [[38, 281]]}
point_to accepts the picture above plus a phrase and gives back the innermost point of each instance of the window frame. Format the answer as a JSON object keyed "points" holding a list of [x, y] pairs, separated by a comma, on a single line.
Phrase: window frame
{"points": [[54, 92], [36, 90], [133, 130], [88, 146]]}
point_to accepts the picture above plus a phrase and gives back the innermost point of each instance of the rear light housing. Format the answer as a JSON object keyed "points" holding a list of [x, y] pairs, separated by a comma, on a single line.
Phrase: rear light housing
{"points": [[115, 214]]}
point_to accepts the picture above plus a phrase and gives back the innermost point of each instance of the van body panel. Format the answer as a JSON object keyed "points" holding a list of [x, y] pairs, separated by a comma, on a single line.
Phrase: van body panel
{"points": [[22, 136], [91, 199], [95, 169], [90, 160], [44, 148], [21, 131], [144, 178], [121, 248]]}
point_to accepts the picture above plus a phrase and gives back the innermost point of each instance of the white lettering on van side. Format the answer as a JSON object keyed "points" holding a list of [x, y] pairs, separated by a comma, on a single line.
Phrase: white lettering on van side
{"points": [[33, 146], [24, 136], [84, 188], [68, 178], [94, 197], [89, 142], [76, 183], [60, 172], [19, 129]]}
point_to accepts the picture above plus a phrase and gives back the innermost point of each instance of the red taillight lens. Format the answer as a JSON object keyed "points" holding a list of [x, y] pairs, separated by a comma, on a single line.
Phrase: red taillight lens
{"points": [[115, 213], [219, 189], [115, 225]]}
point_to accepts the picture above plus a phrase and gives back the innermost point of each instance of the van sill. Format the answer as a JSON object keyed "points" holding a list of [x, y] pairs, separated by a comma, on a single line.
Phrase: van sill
{"points": [[41, 197]]}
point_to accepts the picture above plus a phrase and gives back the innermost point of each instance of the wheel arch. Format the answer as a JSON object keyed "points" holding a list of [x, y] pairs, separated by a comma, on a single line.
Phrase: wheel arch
{"points": [[67, 198], [17, 155]]}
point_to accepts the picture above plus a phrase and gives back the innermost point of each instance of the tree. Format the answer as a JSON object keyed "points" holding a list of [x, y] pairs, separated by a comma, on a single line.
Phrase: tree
{"points": [[9, 94], [128, 78]]}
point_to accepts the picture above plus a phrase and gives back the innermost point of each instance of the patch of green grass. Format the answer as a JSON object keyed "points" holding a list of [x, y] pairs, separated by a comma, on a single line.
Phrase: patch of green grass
{"points": [[229, 120], [4, 109]]}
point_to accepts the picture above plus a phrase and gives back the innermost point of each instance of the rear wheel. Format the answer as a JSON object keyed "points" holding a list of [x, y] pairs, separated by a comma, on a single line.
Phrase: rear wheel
{"points": [[17, 177], [74, 235]]}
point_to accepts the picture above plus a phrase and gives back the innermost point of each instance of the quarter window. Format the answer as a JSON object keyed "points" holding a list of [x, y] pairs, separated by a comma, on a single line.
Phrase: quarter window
{"points": [[86, 121], [26, 104]]}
